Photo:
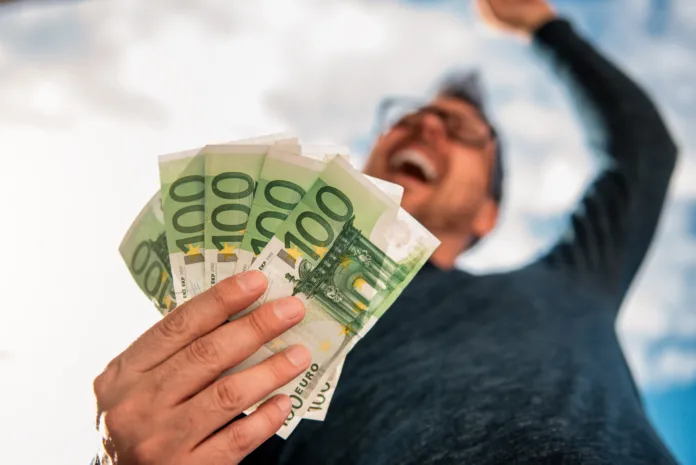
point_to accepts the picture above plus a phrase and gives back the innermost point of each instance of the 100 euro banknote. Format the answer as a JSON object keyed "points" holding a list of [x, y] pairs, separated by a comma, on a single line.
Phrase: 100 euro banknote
{"points": [[347, 251], [232, 173], [288, 171], [144, 249], [183, 203], [231, 176], [284, 180]]}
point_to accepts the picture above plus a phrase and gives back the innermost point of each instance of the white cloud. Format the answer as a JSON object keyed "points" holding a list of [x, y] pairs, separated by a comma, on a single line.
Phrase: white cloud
{"points": [[510, 246], [536, 123], [402, 52], [561, 184], [48, 98], [677, 365], [683, 183], [646, 320], [658, 312]]}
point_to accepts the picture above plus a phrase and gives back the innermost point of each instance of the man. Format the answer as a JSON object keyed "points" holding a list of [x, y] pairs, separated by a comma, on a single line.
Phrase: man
{"points": [[520, 367]]}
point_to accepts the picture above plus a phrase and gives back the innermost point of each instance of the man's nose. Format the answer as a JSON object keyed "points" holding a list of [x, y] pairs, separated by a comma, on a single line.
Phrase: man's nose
{"points": [[432, 128]]}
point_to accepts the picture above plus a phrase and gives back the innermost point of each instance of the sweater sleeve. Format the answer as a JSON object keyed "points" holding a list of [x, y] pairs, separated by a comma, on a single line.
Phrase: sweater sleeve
{"points": [[611, 229]]}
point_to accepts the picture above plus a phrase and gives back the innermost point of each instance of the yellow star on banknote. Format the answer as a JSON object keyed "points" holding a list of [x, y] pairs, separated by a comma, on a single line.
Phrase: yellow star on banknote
{"points": [[346, 263], [325, 345], [360, 307], [275, 344], [321, 251], [193, 249], [229, 249], [359, 283], [168, 302], [346, 330], [165, 276], [294, 252]]}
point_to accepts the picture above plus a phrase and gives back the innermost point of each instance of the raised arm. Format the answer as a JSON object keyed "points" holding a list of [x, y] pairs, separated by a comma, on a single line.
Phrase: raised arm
{"points": [[612, 228]]}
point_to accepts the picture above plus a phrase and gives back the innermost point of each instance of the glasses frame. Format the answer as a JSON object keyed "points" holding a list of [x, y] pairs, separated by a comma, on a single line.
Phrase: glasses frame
{"points": [[453, 123]]}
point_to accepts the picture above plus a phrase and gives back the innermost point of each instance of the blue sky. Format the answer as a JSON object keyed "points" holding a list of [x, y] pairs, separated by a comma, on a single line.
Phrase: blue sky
{"points": [[90, 92]]}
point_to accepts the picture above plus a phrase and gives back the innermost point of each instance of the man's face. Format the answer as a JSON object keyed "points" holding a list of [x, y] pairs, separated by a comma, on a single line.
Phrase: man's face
{"points": [[444, 159]]}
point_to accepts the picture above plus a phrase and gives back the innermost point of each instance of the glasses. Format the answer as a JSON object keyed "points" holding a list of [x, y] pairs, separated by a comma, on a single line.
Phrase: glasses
{"points": [[408, 113]]}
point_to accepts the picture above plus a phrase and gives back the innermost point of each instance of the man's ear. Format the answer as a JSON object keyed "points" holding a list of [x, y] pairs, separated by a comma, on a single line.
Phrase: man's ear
{"points": [[485, 219]]}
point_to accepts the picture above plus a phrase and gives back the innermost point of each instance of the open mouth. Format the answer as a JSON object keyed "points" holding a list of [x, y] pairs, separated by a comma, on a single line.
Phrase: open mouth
{"points": [[414, 164]]}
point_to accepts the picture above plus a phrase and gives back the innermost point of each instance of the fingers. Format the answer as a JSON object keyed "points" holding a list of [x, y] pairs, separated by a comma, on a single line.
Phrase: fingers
{"points": [[194, 319], [229, 396], [202, 361], [240, 438]]}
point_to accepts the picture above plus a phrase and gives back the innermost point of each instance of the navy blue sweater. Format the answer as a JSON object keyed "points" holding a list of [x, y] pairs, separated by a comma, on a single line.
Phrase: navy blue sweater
{"points": [[521, 367]]}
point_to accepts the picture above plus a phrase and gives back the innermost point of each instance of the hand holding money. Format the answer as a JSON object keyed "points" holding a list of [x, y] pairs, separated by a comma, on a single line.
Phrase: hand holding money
{"points": [[317, 228], [159, 401]]}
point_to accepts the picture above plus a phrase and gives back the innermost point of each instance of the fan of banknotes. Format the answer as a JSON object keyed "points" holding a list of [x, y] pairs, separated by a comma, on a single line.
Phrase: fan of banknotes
{"points": [[304, 216]]}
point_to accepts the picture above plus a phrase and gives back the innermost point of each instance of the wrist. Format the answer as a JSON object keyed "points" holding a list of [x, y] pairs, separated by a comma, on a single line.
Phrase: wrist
{"points": [[539, 21]]}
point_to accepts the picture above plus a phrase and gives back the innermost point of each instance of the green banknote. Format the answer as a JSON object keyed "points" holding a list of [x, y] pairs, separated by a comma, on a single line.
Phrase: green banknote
{"points": [[320, 406], [347, 250], [183, 193], [231, 175], [288, 171], [321, 403], [144, 249], [283, 181], [232, 172]]}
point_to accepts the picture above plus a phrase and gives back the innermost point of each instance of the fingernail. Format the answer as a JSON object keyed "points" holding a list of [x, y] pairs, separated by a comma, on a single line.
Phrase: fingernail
{"points": [[251, 281], [284, 405], [287, 309], [298, 355]]}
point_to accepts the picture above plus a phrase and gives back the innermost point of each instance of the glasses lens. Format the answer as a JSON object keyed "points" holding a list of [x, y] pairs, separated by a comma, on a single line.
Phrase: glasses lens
{"points": [[406, 112]]}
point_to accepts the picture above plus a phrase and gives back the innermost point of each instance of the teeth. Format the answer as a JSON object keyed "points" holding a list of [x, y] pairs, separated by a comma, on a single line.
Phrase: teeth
{"points": [[415, 158]]}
